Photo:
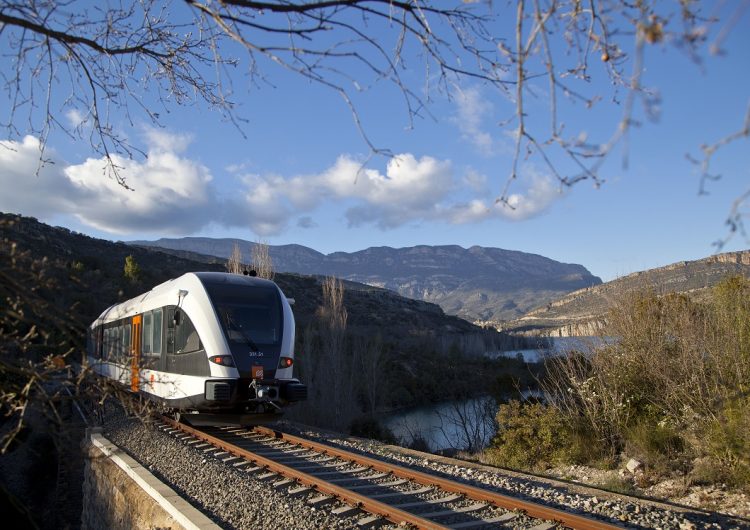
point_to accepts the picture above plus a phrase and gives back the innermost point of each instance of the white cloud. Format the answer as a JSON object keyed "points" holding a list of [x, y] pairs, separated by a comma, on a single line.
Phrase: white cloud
{"points": [[173, 194], [410, 189], [160, 140], [537, 198], [471, 112], [540, 195], [75, 118], [170, 194], [475, 181], [29, 185]]}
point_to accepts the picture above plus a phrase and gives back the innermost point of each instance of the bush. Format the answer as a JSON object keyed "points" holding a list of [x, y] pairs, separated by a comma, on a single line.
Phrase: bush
{"points": [[727, 442], [658, 444], [533, 436], [132, 270], [671, 389]]}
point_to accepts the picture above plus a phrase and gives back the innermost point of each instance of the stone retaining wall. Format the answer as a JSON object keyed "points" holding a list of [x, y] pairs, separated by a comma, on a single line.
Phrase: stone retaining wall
{"points": [[120, 494]]}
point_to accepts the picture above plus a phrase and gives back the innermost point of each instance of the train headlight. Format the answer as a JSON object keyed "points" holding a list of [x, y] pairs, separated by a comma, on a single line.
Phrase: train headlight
{"points": [[285, 362], [223, 360]]}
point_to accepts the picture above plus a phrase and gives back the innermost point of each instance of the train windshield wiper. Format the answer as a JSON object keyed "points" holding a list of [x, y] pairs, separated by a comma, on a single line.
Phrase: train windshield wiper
{"points": [[231, 324]]}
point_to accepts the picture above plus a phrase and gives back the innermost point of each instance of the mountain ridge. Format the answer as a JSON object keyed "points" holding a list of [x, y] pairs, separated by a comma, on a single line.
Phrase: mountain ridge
{"points": [[583, 312], [476, 283]]}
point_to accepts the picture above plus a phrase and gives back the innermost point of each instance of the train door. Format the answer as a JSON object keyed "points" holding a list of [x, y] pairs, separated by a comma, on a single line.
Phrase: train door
{"points": [[135, 352]]}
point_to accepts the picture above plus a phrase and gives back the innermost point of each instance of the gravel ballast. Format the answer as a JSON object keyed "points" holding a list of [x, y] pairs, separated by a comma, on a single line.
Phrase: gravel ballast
{"points": [[234, 498]]}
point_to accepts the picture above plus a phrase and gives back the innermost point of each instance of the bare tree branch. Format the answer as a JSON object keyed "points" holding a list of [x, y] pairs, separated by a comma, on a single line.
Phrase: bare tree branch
{"points": [[98, 63]]}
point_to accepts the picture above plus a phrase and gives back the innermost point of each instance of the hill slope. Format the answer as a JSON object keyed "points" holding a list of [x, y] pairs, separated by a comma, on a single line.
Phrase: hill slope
{"points": [[478, 283], [582, 311], [68, 269]]}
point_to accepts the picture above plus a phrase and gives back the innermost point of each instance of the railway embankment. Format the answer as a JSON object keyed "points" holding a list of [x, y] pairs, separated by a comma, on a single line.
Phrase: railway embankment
{"points": [[232, 497]]}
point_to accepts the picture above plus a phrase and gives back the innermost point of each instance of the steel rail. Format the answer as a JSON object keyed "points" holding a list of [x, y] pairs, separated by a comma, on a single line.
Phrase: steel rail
{"points": [[538, 511], [391, 513]]}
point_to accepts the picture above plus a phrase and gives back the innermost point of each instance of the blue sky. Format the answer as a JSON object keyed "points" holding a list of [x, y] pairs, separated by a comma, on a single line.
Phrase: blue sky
{"points": [[294, 178]]}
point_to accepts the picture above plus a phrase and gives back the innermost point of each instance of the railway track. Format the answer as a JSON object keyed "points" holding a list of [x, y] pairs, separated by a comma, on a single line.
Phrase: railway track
{"points": [[353, 483]]}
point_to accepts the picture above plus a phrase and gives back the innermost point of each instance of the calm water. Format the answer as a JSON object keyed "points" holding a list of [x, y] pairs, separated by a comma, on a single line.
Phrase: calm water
{"points": [[470, 423], [559, 346], [462, 425], [442, 425]]}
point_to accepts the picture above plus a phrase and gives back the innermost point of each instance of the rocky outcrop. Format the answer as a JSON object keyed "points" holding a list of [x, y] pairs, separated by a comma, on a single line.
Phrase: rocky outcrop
{"points": [[583, 312]]}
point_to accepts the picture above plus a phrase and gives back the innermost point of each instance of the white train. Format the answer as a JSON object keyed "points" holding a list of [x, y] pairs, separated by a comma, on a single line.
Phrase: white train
{"points": [[206, 342]]}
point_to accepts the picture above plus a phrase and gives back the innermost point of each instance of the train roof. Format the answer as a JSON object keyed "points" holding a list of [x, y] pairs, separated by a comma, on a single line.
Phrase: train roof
{"points": [[185, 282]]}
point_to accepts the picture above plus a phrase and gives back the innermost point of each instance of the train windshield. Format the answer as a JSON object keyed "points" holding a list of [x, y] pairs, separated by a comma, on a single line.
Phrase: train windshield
{"points": [[250, 315]]}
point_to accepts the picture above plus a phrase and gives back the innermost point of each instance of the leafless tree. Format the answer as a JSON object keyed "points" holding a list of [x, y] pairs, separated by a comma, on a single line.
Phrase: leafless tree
{"points": [[234, 263], [469, 424], [261, 261], [370, 356], [77, 68], [334, 363]]}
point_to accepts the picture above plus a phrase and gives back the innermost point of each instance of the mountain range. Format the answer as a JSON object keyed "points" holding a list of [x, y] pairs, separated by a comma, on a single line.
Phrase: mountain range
{"points": [[479, 284]]}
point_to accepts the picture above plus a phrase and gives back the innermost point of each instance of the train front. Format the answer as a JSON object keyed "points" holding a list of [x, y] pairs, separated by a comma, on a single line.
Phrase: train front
{"points": [[258, 325]]}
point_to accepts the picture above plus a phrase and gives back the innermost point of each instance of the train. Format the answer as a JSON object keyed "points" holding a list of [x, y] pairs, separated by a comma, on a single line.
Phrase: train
{"points": [[205, 345]]}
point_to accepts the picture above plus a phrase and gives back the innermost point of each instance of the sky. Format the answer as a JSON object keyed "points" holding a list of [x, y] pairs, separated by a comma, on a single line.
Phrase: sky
{"points": [[300, 172]]}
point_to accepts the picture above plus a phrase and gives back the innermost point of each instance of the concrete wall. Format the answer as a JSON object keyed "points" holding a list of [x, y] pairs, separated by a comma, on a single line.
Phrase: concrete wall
{"points": [[120, 494]]}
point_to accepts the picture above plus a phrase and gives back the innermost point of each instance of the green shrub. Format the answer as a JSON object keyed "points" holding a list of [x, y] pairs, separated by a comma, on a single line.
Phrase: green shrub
{"points": [[728, 442], [673, 388], [132, 270], [618, 485], [659, 445], [532, 436]]}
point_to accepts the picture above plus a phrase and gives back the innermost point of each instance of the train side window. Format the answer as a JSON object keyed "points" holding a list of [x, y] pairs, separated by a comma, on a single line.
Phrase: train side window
{"points": [[114, 343], [126, 342], [147, 334], [170, 329], [105, 344], [156, 342]]}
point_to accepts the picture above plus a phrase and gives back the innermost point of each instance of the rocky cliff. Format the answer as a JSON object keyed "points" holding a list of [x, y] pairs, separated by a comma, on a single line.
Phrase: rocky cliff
{"points": [[583, 312]]}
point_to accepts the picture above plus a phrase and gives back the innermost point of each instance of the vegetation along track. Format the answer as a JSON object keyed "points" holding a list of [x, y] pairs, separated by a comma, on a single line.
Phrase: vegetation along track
{"points": [[360, 483]]}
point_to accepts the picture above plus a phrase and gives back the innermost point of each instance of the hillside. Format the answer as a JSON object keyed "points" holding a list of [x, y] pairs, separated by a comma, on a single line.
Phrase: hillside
{"points": [[581, 312], [478, 283], [65, 269], [54, 282]]}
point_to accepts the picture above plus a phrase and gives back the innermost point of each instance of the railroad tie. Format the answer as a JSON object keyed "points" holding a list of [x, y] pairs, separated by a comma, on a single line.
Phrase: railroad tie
{"points": [[381, 485], [346, 511], [415, 504], [295, 492], [370, 522], [424, 489], [320, 500], [281, 483], [350, 479], [465, 509], [546, 525], [504, 518]]}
